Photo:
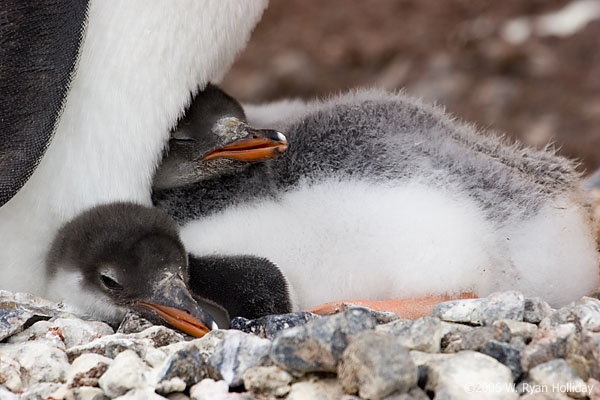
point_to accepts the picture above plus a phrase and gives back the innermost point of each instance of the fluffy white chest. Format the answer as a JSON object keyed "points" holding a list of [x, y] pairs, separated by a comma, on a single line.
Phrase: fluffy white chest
{"points": [[344, 240], [138, 64], [358, 240]]}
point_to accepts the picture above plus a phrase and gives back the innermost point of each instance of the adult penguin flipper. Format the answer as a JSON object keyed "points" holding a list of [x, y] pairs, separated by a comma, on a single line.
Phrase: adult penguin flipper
{"points": [[39, 46]]}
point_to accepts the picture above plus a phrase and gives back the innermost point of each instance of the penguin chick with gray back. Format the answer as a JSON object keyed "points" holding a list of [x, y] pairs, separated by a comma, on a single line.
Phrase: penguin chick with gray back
{"points": [[381, 196], [212, 122], [122, 256]]}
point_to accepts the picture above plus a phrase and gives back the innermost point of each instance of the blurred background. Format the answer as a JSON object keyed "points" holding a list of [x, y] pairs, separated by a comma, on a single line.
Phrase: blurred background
{"points": [[528, 68]]}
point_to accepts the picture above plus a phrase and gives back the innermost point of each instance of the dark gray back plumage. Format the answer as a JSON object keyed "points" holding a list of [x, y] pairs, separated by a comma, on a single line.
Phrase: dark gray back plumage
{"points": [[390, 138]]}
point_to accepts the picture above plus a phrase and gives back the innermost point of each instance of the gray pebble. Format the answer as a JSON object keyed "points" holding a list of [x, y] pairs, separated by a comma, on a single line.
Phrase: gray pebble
{"points": [[375, 365], [536, 310], [424, 334], [557, 374], [470, 375], [506, 354], [318, 345], [234, 354], [268, 326], [267, 381]]}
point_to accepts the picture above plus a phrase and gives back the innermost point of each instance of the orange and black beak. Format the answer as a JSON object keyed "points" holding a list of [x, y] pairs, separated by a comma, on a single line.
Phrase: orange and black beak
{"points": [[257, 145], [173, 303]]}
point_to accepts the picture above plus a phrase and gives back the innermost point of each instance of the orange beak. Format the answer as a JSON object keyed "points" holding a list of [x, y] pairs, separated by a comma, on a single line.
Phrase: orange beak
{"points": [[263, 144], [178, 319]]}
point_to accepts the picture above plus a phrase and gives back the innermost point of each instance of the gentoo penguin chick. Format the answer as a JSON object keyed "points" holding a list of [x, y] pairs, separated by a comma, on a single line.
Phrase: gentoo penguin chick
{"points": [[122, 256], [213, 139], [380, 196]]}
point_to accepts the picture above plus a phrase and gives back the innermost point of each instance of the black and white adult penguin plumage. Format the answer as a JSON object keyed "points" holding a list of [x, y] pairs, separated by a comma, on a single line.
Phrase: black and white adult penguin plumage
{"points": [[381, 196], [138, 62]]}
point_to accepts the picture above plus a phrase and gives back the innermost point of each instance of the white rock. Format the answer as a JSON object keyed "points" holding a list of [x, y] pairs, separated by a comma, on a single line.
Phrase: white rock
{"points": [[141, 394], [536, 310], [558, 374], [452, 327], [39, 362], [126, 372], [375, 364], [587, 310], [470, 375], [237, 352], [178, 396], [40, 332], [88, 367], [525, 330], [208, 389], [502, 305], [160, 335], [466, 311], [205, 345], [10, 374], [111, 345], [269, 381], [5, 394], [323, 389], [424, 334], [85, 393], [40, 391], [71, 331], [423, 358], [175, 384], [154, 357]]}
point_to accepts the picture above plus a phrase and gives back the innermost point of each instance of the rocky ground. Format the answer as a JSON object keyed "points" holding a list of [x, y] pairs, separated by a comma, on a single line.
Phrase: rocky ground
{"points": [[504, 346]]}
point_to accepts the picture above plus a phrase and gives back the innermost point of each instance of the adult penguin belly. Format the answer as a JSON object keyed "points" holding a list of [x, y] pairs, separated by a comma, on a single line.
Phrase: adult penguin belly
{"points": [[137, 66]]}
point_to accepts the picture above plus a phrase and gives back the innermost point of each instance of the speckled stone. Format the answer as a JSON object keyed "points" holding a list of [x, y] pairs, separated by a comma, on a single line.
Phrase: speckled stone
{"points": [[127, 372], [502, 305], [87, 369], [470, 375], [318, 345], [10, 374], [186, 364], [269, 326], [536, 310], [474, 339], [463, 311], [40, 391], [133, 323], [375, 365], [209, 389], [19, 310], [71, 331], [85, 393], [522, 329], [424, 334], [322, 389], [558, 374], [267, 381], [141, 343], [38, 361], [146, 393], [234, 354], [548, 344], [506, 354]]}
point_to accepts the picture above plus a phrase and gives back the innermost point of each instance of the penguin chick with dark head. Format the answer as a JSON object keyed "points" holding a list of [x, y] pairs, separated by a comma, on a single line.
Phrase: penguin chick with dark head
{"points": [[122, 256], [213, 139], [380, 196]]}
